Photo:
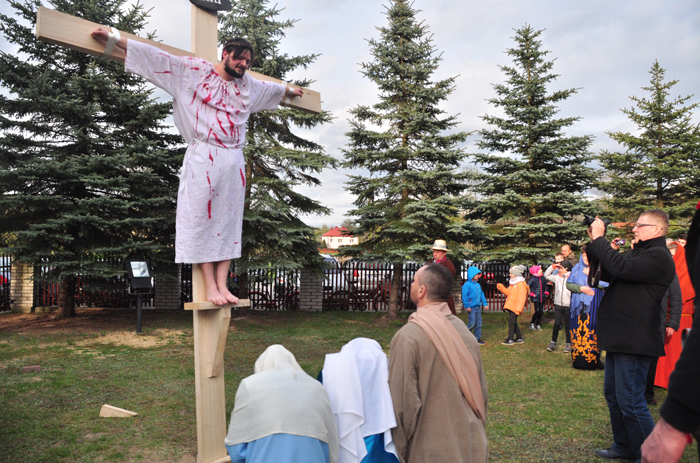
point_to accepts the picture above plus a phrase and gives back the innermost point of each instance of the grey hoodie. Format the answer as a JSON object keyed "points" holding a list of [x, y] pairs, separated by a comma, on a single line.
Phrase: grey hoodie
{"points": [[562, 296]]}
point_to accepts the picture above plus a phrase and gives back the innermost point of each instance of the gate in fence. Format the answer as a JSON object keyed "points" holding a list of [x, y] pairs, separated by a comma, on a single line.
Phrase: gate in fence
{"points": [[90, 290]]}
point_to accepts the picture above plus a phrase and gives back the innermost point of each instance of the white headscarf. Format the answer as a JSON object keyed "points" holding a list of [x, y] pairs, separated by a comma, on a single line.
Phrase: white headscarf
{"points": [[280, 398], [357, 381]]}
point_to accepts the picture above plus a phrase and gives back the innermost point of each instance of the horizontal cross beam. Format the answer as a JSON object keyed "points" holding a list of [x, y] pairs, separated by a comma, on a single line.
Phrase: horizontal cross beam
{"points": [[71, 32]]}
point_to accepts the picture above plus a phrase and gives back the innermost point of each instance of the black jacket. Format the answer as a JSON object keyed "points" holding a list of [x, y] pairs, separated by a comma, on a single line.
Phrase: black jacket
{"points": [[682, 406], [537, 286], [672, 306], [629, 317]]}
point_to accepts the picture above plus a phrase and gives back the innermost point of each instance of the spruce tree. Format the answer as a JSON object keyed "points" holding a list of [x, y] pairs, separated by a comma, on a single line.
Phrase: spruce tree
{"points": [[87, 170], [659, 166], [410, 195], [277, 160], [531, 189]]}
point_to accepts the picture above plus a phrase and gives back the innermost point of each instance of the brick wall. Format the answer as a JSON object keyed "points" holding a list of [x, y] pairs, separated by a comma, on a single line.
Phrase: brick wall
{"points": [[457, 293], [22, 287], [310, 291], [167, 291]]}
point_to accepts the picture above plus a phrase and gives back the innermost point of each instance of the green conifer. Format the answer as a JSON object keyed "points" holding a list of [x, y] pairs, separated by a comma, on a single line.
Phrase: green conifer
{"points": [[87, 170], [277, 160], [659, 166], [531, 190], [410, 193]]}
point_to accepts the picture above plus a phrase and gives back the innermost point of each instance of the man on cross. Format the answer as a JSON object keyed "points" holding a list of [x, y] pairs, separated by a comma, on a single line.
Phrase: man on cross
{"points": [[211, 105]]}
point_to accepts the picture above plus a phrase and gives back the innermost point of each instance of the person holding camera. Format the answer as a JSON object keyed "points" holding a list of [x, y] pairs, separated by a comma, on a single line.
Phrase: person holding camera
{"points": [[629, 325], [680, 412]]}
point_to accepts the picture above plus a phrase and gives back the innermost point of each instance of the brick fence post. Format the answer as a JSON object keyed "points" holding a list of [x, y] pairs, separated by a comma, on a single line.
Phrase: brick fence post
{"points": [[310, 291], [167, 291], [457, 292], [22, 287]]}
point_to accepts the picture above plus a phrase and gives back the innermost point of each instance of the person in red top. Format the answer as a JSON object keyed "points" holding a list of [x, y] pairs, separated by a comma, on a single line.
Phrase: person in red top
{"points": [[440, 257], [672, 343]]}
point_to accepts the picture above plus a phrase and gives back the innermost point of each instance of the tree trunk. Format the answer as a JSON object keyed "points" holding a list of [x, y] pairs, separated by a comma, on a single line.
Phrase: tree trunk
{"points": [[66, 297], [395, 292]]}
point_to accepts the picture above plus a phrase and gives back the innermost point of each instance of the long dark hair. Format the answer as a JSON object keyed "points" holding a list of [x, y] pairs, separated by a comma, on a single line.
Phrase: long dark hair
{"points": [[237, 46]]}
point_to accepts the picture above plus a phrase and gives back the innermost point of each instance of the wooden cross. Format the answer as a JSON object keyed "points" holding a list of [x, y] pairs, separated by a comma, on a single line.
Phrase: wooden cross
{"points": [[210, 322]]}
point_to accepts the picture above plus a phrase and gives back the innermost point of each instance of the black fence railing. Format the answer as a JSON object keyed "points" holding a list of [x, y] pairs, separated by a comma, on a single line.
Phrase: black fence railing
{"points": [[365, 285], [268, 288], [5, 281], [90, 290]]}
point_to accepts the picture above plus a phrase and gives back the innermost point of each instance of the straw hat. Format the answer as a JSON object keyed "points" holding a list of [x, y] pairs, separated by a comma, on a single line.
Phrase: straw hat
{"points": [[440, 245]]}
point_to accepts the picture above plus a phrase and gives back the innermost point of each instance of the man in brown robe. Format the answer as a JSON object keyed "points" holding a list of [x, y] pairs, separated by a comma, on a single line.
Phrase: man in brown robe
{"points": [[440, 257], [437, 380]]}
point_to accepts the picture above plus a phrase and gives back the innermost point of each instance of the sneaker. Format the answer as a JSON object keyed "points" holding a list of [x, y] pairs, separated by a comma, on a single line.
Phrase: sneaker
{"points": [[567, 348], [552, 346], [539, 328], [508, 342], [481, 343], [519, 341], [532, 327]]}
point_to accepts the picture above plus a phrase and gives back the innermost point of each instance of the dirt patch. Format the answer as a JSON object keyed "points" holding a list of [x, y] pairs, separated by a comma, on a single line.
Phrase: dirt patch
{"points": [[101, 321], [87, 321], [156, 338]]}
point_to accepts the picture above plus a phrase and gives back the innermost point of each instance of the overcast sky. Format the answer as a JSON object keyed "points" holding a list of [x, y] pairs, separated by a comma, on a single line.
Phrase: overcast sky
{"points": [[603, 48]]}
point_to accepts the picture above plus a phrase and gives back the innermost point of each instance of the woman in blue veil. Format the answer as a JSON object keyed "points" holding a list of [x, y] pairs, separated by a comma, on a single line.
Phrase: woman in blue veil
{"points": [[585, 301]]}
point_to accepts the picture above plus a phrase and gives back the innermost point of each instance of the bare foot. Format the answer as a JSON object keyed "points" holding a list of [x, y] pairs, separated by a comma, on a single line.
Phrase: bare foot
{"points": [[228, 296], [213, 295]]}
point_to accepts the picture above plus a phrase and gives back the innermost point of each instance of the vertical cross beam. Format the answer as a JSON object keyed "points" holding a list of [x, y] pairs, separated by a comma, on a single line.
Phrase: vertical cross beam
{"points": [[209, 325]]}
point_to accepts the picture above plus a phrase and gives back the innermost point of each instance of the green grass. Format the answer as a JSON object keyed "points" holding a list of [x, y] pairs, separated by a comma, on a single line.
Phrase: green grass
{"points": [[540, 409]]}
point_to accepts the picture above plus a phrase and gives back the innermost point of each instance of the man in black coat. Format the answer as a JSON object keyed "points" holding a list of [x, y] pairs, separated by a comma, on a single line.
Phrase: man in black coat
{"points": [[680, 413], [629, 326]]}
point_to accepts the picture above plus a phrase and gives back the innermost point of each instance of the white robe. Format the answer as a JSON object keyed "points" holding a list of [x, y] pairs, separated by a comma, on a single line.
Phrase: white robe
{"points": [[211, 115]]}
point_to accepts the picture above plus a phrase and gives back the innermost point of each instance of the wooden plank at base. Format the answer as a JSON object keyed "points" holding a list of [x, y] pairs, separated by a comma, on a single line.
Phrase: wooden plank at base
{"points": [[108, 411], [212, 306], [223, 460], [69, 31]]}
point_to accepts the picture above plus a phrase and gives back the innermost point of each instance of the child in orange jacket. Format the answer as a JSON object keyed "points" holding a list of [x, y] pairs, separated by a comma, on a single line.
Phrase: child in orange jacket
{"points": [[516, 294]]}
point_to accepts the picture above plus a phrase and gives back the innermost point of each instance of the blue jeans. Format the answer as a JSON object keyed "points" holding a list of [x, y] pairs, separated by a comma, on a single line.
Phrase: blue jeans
{"points": [[474, 324], [624, 385]]}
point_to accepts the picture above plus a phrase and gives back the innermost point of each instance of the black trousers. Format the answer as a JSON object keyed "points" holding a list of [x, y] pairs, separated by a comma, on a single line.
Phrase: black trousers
{"points": [[561, 312], [513, 328], [537, 315], [649, 391]]}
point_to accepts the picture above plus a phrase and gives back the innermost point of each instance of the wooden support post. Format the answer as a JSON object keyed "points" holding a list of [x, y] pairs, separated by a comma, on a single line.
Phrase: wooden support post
{"points": [[210, 327]]}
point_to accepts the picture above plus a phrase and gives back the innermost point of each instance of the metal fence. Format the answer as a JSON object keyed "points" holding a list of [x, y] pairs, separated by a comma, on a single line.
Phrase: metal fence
{"points": [[90, 290], [268, 288], [356, 285], [5, 281]]}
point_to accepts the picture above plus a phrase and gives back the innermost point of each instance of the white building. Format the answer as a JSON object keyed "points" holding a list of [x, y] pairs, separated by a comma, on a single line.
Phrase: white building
{"points": [[337, 236]]}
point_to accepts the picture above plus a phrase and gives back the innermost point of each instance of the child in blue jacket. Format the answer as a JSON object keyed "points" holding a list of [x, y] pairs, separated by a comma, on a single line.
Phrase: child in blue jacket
{"points": [[473, 299]]}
